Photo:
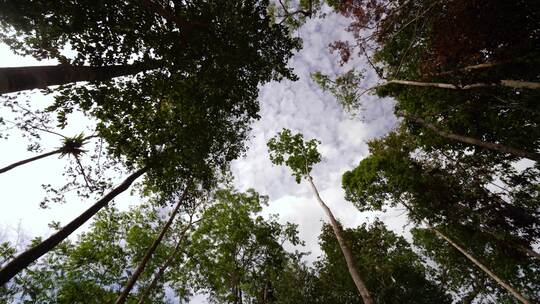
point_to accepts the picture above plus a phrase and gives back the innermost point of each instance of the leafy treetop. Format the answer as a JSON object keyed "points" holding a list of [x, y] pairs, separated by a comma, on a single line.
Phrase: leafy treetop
{"points": [[291, 150]]}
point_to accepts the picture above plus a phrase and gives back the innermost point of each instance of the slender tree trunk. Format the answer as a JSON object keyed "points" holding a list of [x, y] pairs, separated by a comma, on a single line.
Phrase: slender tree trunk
{"points": [[516, 84], [529, 252], [39, 77], [514, 292], [473, 141], [161, 270], [28, 160], [31, 255], [135, 276], [349, 259], [471, 258], [469, 68]]}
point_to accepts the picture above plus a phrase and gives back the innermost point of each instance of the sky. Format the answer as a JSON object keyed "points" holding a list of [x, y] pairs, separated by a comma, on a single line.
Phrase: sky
{"points": [[300, 106]]}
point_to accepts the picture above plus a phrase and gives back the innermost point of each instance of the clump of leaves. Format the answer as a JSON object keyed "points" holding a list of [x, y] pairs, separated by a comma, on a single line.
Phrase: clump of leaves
{"points": [[73, 145], [291, 150]]}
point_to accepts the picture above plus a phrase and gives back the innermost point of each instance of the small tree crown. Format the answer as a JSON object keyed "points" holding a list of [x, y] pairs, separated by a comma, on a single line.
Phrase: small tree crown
{"points": [[293, 151]]}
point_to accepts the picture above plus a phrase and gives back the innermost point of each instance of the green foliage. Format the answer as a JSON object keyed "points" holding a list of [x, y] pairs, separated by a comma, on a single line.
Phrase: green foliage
{"points": [[421, 41], [94, 268], [297, 154], [393, 272], [345, 88], [456, 200], [236, 255], [187, 114], [294, 14], [457, 274], [477, 196], [441, 193]]}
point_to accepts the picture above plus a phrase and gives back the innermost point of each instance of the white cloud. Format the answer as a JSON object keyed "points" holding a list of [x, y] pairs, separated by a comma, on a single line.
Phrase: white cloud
{"points": [[300, 106]]}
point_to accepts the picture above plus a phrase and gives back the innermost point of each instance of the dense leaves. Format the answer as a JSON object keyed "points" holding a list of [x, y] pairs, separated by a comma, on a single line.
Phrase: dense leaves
{"points": [[291, 150], [393, 271], [93, 268], [237, 255]]}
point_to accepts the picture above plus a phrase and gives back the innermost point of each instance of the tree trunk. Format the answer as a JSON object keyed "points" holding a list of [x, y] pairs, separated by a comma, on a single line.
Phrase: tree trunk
{"points": [[516, 84], [161, 271], [473, 141], [31, 255], [39, 77], [529, 252], [28, 160], [514, 292], [469, 68], [349, 259], [135, 276]]}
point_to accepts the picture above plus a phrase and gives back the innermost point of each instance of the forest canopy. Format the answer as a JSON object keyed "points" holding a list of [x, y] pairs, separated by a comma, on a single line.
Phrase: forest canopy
{"points": [[167, 97]]}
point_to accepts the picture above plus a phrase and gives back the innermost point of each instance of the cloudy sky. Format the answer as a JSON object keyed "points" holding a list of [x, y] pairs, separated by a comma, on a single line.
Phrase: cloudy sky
{"points": [[300, 106]]}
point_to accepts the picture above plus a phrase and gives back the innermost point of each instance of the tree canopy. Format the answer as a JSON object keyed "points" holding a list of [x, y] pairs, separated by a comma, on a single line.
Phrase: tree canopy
{"points": [[170, 90]]}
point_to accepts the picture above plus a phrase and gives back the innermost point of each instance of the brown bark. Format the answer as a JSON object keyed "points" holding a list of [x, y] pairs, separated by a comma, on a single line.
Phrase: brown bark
{"points": [[518, 84], [473, 141], [349, 259], [16, 79], [31, 255], [28, 160], [135, 276], [165, 265]]}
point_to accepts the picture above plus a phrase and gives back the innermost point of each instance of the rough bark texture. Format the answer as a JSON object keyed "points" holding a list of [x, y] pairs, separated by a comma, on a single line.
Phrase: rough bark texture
{"points": [[39, 77], [473, 141], [28, 160], [349, 259], [127, 289], [31, 255]]}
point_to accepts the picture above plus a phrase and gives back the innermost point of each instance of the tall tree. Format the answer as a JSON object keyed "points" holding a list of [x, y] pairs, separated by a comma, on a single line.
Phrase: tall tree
{"points": [[235, 254], [40, 77], [173, 126], [21, 261], [431, 191], [106, 38], [173, 256], [300, 156], [94, 267], [151, 250], [448, 73], [394, 271]]}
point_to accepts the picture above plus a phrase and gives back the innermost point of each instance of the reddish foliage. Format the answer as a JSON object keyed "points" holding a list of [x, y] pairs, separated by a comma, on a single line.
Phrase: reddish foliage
{"points": [[470, 31], [364, 14], [458, 32], [344, 50]]}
